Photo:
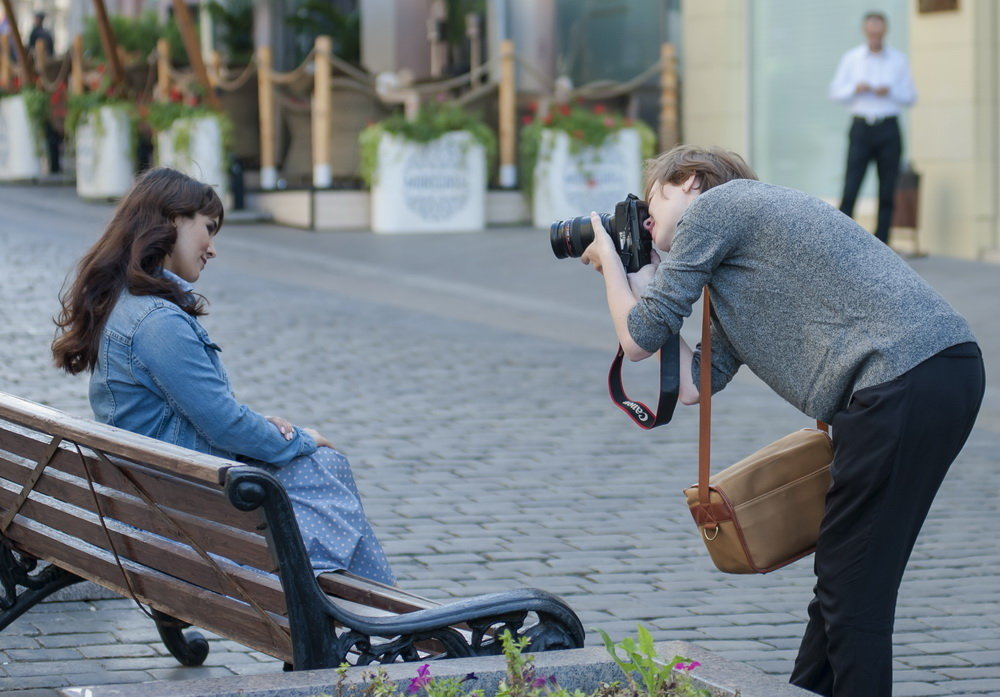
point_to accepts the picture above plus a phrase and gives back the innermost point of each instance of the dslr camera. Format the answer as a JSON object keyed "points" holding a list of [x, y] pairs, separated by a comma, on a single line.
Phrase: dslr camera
{"points": [[571, 237]]}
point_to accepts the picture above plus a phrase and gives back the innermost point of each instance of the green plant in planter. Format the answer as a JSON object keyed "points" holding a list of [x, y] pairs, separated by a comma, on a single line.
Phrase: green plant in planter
{"points": [[136, 36], [657, 679], [161, 116], [79, 106], [586, 128], [36, 103], [433, 121]]}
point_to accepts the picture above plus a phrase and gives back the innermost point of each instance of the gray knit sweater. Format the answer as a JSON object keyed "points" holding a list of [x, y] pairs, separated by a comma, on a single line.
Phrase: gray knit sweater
{"points": [[813, 304]]}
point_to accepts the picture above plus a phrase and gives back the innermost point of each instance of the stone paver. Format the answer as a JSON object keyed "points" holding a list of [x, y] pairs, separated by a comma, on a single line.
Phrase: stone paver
{"points": [[464, 377]]}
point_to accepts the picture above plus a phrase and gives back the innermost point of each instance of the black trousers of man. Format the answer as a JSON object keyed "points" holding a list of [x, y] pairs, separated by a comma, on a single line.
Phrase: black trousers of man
{"points": [[893, 445], [879, 141]]}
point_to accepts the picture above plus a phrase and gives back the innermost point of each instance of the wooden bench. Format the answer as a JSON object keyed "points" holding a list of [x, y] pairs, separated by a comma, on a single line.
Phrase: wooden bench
{"points": [[210, 542]]}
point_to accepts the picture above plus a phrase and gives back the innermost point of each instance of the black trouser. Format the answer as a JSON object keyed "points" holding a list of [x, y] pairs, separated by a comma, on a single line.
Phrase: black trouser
{"points": [[883, 143], [892, 447]]}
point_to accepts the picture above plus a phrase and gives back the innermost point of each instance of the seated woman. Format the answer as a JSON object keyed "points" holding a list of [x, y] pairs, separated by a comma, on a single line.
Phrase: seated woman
{"points": [[131, 318]]}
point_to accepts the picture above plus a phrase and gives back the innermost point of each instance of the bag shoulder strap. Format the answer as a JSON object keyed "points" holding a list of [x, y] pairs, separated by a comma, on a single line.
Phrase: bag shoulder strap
{"points": [[705, 403]]}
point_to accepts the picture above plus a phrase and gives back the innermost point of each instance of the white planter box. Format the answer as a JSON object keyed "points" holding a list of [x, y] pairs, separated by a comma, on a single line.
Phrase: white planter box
{"points": [[203, 157], [569, 184], [19, 146], [438, 186], [105, 158]]}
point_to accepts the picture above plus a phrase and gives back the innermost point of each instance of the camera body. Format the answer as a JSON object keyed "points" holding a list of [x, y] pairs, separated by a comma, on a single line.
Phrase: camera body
{"points": [[569, 238]]}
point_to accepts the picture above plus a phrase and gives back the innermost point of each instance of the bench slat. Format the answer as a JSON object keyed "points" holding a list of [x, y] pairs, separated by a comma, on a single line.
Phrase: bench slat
{"points": [[219, 614], [371, 593], [147, 550], [248, 548], [197, 499], [116, 441]]}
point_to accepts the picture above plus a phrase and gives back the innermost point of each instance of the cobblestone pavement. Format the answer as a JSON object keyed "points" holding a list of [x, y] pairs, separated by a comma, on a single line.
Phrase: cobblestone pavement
{"points": [[464, 375]]}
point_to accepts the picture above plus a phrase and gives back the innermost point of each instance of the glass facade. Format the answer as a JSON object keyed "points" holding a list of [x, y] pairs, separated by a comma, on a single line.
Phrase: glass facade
{"points": [[798, 137]]}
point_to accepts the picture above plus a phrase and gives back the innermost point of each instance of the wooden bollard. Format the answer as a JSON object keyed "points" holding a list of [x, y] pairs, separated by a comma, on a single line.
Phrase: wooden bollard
{"points": [[321, 113], [265, 105], [163, 70], [40, 57], [507, 117], [4, 60], [76, 67], [669, 135]]}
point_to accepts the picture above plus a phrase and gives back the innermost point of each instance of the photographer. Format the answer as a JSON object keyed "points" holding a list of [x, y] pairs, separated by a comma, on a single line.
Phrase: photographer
{"points": [[843, 329]]}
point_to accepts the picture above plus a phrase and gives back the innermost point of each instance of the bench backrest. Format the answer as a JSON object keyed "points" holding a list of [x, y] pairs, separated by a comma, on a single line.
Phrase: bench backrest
{"points": [[186, 550]]}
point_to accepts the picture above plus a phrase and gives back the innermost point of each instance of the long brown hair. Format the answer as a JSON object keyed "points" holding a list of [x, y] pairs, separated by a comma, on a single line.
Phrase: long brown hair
{"points": [[129, 255]]}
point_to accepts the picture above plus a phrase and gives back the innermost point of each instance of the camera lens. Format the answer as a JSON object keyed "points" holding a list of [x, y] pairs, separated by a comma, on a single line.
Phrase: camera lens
{"points": [[569, 238]]}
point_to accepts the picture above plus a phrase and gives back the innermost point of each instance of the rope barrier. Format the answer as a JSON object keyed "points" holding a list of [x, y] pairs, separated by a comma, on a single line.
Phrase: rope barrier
{"points": [[602, 89], [227, 85], [60, 75]]}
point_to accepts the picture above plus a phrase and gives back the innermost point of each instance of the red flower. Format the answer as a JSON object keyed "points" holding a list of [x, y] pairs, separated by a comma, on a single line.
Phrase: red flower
{"points": [[191, 100], [176, 96], [600, 108], [526, 120], [547, 120], [564, 109], [533, 107], [609, 122]]}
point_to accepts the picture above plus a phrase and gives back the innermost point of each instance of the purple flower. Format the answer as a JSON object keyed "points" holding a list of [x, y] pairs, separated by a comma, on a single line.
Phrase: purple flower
{"points": [[687, 666], [422, 680]]}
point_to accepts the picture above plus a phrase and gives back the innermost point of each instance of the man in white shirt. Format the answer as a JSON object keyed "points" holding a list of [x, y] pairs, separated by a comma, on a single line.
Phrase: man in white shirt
{"points": [[874, 81]]}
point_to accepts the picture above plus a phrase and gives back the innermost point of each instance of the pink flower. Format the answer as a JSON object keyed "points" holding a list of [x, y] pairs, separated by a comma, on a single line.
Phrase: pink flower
{"points": [[421, 681], [687, 666]]}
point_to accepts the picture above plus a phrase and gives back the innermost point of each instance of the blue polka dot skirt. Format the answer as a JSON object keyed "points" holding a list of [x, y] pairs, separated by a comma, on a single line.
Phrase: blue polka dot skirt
{"points": [[332, 520]]}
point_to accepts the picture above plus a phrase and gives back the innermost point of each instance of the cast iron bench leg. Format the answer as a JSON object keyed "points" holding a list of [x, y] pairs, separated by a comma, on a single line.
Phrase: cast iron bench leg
{"points": [[190, 649], [15, 570]]}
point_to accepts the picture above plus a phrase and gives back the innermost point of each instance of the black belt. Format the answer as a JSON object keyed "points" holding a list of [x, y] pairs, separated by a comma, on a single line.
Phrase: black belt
{"points": [[874, 121]]}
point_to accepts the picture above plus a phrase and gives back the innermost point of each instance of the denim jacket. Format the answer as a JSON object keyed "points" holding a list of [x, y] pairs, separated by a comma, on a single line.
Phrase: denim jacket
{"points": [[159, 374]]}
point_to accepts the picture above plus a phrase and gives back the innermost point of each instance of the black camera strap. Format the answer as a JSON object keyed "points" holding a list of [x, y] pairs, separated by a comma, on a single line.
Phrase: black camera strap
{"points": [[670, 369]]}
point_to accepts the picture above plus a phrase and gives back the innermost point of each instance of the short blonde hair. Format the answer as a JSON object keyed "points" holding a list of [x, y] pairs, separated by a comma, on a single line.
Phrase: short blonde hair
{"points": [[713, 165]]}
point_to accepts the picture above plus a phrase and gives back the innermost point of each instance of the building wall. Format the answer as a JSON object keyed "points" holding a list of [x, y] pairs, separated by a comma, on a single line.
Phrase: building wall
{"points": [[953, 137], [954, 128], [714, 87]]}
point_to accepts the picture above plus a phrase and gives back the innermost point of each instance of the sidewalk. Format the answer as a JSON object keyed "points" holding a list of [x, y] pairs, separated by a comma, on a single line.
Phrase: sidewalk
{"points": [[464, 375]]}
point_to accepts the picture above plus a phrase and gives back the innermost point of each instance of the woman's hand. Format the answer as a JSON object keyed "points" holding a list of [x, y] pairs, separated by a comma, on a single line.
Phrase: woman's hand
{"points": [[321, 441], [639, 280], [284, 425], [602, 250]]}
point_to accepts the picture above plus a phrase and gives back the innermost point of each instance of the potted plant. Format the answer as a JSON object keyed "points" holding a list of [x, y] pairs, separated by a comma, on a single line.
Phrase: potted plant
{"points": [[576, 160], [192, 138], [102, 128], [428, 173], [23, 113]]}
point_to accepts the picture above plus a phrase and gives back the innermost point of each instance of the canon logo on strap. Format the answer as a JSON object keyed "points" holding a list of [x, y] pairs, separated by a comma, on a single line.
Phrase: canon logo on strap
{"points": [[640, 413]]}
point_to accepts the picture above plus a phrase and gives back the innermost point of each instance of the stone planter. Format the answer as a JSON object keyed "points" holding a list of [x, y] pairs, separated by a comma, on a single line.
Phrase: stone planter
{"points": [[194, 146], [568, 184], [20, 148], [105, 156], [576, 669], [438, 186]]}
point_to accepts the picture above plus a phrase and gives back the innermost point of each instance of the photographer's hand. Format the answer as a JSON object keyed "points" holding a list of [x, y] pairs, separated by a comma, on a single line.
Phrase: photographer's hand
{"points": [[601, 251], [639, 280], [604, 257]]}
